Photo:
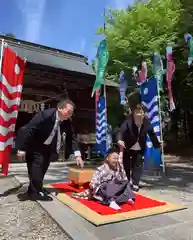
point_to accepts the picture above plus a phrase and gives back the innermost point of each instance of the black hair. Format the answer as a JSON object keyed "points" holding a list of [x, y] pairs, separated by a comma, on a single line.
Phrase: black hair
{"points": [[114, 149], [139, 107], [64, 102]]}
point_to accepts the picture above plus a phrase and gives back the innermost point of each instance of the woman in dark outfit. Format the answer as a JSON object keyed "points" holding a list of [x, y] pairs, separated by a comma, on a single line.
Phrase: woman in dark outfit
{"points": [[132, 141]]}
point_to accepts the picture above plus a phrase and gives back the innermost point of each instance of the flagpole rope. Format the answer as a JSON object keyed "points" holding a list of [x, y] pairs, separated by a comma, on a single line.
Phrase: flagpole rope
{"points": [[161, 129], [1, 57], [104, 84]]}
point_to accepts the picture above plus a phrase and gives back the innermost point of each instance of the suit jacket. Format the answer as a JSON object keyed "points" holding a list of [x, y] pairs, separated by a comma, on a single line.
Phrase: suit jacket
{"points": [[129, 133], [32, 136]]}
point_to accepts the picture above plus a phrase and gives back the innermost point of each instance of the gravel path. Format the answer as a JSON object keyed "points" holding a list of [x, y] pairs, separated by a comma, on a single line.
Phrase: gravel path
{"points": [[25, 220]]}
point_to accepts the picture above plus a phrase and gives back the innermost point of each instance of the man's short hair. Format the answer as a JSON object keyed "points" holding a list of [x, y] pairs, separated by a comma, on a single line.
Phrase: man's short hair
{"points": [[64, 102]]}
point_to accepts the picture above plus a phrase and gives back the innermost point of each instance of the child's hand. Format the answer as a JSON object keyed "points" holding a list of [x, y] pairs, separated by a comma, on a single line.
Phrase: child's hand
{"points": [[121, 157]]}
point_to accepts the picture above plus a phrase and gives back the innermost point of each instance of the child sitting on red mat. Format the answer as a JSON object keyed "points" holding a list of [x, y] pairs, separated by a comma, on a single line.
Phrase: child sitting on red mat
{"points": [[109, 184]]}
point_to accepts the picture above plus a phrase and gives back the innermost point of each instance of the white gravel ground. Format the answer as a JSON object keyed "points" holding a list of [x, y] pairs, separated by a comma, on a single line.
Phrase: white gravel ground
{"points": [[25, 220]]}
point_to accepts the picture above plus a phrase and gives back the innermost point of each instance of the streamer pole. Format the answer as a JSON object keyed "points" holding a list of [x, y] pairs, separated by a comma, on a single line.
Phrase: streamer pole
{"points": [[161, 129], [104, 85]]}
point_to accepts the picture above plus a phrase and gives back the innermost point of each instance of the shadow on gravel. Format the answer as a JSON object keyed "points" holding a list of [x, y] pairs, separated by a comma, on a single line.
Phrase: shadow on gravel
{"points": [[10, 191]]}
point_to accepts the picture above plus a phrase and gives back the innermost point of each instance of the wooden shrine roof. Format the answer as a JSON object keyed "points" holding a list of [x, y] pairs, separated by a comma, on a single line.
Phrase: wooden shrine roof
{"points": [[47, 56], [52, 57]]}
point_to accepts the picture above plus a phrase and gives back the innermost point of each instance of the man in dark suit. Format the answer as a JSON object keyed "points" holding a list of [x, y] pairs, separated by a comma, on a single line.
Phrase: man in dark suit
{"points": [[132, 141], [41, 138]]}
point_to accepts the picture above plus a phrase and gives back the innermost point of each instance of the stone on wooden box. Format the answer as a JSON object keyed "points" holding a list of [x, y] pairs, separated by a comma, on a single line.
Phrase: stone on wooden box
{"points": [[80, 176]]}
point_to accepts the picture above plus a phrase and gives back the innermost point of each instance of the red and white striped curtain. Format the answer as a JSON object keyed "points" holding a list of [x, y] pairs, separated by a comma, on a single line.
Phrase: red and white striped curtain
{"points": [[11, 85]]}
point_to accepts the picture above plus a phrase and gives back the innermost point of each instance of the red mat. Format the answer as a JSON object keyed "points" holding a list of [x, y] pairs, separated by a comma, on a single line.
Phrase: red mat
{"points": [[141, 202]]}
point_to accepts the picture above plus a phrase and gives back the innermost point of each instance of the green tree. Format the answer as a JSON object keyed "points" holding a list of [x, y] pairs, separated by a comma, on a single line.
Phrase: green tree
{"points": [[139, 31], [182, 124], [142, 29]]}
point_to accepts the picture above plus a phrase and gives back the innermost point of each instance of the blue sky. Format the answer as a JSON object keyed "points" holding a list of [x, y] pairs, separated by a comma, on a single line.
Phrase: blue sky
{"points": [[65, 24]]}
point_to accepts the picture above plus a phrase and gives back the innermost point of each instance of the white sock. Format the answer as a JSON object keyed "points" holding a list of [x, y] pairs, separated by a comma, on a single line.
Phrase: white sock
{"points": [[130, 201], [114, 205]]}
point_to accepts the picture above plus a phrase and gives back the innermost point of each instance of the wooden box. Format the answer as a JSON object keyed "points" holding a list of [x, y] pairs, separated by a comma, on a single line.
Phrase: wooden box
{"points": [[80, 176]]}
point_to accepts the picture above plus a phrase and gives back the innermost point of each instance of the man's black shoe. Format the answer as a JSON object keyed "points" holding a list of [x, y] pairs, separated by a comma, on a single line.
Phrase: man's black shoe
{"points": [[41, 196], [45, 191], [23, 196], [135, 188]]}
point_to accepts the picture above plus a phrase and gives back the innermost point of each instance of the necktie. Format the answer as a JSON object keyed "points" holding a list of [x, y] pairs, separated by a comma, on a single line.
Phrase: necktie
{"points": [[58, 145], [50, 138]]}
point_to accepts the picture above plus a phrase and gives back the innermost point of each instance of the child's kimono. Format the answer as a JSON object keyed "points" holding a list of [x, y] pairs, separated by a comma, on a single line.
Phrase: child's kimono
{"points": [[111, 185]]}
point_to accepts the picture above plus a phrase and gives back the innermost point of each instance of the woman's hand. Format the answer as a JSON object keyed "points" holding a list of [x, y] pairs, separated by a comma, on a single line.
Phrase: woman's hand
{"points": [[121, 143]]}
